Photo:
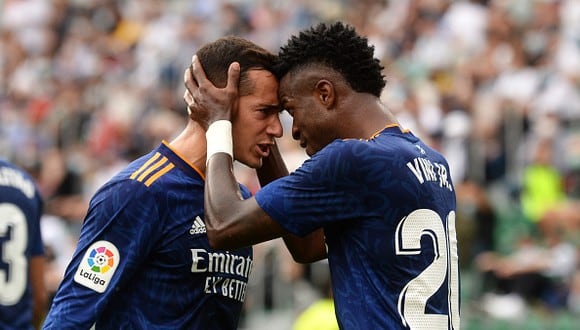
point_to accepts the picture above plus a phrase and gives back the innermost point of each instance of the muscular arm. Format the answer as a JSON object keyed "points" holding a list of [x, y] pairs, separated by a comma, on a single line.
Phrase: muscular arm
{"points": [[232, 222]]}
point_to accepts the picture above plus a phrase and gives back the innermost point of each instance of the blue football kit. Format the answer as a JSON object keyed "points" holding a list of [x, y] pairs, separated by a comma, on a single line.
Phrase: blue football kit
{"points": [[387, 207], [20, 239], [143, 260]]}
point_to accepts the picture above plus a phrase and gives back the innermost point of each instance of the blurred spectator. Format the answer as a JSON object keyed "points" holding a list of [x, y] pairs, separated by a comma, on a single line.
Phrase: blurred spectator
{"points": [[87, 85], [316, 311], [543, 185], [534, 272], [475, 222], [62, 187]]}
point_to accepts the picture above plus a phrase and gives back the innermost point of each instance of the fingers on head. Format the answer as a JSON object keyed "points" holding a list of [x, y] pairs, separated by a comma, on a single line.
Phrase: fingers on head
{"points": [[187, 96], [186, 75], [189, 99], [197, 70], [189, 80], [233, 75]]}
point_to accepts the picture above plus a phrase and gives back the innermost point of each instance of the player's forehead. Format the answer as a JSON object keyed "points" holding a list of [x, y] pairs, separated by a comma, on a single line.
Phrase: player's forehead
{"points": [[262, 81], [291, 85], [263, 91]]}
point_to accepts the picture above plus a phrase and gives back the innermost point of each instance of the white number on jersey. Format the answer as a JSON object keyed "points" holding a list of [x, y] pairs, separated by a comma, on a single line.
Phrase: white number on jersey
{"points": [[414, 296], [13, 281]]}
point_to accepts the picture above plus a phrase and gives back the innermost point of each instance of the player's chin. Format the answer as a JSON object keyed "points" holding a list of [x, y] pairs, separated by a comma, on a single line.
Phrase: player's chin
{"points": [[253, 162]]}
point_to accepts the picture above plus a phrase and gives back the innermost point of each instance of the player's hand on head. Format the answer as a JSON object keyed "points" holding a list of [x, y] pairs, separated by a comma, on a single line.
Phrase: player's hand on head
{"points": [[206, 102], [198, 114], [195, 113]]}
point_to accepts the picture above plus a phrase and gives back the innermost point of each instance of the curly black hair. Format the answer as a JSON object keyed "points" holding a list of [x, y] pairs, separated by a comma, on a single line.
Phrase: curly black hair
{"points": [[339, 47]]}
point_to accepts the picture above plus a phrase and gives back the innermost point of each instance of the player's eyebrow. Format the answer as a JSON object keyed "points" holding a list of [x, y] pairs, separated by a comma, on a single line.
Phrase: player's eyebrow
{"points": [[269, 106]]}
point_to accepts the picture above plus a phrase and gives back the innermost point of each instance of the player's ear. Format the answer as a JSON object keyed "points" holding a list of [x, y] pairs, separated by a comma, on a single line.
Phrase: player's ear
{"points": [[325, 93]]}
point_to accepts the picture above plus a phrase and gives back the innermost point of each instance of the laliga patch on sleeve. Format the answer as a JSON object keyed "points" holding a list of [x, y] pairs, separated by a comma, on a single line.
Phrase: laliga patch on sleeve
{"points": [[98, 266]]}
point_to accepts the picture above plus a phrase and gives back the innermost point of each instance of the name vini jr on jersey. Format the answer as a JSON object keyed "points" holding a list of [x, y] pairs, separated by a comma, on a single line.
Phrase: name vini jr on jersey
{"points": [[225, 263], [427, 171]]}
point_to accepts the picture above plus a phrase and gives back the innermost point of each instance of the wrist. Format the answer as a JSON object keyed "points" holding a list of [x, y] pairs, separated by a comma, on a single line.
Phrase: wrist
{"points": [[219, 138]]}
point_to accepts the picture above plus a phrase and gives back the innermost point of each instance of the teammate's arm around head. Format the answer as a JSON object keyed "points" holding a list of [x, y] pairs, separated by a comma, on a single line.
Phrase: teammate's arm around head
{"points": [[231, 221]]}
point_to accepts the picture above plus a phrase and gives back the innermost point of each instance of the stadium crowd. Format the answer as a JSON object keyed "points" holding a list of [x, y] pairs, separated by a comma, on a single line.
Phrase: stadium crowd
{"points": [[88, 85]]}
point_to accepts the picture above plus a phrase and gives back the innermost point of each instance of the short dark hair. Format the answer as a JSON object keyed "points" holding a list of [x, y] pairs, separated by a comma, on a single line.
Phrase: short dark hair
{"points": [[339, 47], [216, 57]]}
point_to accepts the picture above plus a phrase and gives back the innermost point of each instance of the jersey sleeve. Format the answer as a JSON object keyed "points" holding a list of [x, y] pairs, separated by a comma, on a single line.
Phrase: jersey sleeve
{"points": [[328, 187], [119, 231]]}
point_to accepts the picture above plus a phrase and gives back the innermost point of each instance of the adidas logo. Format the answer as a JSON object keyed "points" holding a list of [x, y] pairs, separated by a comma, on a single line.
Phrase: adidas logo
{"points": [[198, 227]]}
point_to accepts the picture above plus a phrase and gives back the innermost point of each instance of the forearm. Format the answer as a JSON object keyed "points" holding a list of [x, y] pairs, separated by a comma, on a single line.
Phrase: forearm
{"points": [[221, 192], [231, 221], [273, 167]]}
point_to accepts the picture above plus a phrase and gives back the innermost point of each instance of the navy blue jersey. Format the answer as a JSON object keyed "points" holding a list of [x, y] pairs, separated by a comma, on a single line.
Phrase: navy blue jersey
{"points": [[143, 260], [20, 212], [387, 207]]}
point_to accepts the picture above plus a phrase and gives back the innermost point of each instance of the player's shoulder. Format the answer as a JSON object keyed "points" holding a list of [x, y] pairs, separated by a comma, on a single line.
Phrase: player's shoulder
{"points": [[435, 155], [154, 171], [150, 178], [5, 163], [342, 148], [16, 178], [138, 180], [356, 150], [13, 168]]}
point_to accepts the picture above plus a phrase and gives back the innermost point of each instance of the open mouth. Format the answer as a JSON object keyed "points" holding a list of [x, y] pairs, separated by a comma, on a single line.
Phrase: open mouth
{"points": [[264, 149]]}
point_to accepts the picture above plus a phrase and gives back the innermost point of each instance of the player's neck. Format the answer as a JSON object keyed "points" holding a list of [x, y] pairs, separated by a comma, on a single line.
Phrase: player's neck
{"points": [[367, 117], [191, 145]]}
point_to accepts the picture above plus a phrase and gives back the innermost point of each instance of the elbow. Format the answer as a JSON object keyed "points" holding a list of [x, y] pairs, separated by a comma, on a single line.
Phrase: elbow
{"points": [[301, 259], [225, 226], [216, 239], [214, 229], [306, 259], [220, 238]]}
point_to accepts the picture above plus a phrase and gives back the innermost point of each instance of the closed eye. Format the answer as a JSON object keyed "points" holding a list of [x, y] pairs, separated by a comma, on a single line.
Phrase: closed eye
{"points": [[269, 109]]}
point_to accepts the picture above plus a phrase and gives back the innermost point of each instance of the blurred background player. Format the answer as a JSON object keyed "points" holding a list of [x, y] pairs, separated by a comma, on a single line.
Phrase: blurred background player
{"points": [[23, 296]]}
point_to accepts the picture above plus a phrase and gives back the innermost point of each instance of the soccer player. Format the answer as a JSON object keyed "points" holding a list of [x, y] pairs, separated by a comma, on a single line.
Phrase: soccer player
{"points": [[143, 260], [23, 296], [384, 198]]}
